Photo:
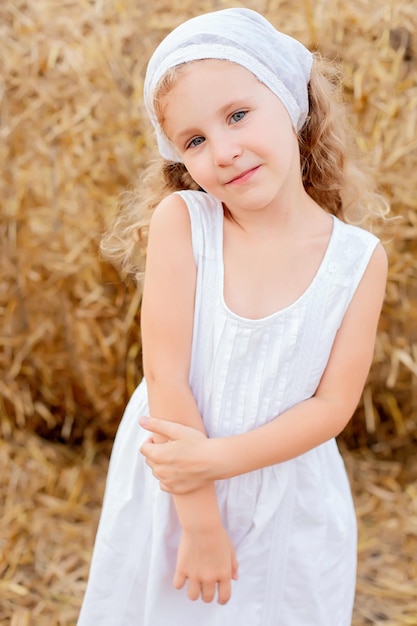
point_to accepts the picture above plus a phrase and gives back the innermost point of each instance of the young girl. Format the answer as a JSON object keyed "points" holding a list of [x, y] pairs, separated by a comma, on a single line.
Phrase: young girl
{"points": [[231, 505]]}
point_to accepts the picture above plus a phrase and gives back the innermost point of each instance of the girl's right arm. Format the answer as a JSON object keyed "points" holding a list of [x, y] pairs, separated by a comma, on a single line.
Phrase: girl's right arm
{"points": [[206, 556]]}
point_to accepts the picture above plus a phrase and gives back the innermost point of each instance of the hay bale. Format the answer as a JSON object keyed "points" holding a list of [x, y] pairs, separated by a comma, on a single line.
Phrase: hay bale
{"points": [[73, 137], [50, 501], [71, 132]]}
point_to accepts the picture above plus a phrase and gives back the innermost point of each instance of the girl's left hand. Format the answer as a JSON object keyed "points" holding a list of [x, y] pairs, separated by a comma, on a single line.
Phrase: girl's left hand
{"points": [[182, 464]]}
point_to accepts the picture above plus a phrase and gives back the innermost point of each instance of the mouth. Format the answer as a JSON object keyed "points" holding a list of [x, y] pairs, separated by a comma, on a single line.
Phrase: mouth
{"points": [[243, 177]]}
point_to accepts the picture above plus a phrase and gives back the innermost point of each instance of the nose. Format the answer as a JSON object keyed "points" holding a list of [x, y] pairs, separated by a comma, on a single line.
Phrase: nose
{"points": [[225, 149]]}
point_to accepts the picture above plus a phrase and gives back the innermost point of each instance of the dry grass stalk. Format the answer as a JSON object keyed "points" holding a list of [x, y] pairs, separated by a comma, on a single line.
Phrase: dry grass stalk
{"points": [[73, 136]]}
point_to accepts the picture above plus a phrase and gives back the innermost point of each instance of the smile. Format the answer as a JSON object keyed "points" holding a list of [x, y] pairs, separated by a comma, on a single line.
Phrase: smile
{"points": [[243, 177]]}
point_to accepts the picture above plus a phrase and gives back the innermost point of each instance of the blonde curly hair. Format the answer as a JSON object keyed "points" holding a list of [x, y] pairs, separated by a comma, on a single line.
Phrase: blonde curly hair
{"points": [[333, 173]]}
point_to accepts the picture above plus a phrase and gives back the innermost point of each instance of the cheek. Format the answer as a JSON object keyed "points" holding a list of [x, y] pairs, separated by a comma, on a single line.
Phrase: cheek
{"points": [[198, 169], [287, 144]]}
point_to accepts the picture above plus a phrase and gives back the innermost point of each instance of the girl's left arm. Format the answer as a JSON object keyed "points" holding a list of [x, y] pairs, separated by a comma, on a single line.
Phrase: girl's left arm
{"points": [[297, 430]]}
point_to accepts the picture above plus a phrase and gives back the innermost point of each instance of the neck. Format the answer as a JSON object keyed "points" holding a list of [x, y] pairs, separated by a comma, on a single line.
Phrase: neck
{"points": [[283, 215]]}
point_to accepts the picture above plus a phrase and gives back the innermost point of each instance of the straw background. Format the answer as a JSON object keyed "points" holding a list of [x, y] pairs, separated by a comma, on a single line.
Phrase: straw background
{"points": [[72, 137]]}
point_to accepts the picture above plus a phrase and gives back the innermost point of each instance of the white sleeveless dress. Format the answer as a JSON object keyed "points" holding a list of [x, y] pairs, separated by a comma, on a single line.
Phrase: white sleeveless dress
{"points": [[292, 524]]}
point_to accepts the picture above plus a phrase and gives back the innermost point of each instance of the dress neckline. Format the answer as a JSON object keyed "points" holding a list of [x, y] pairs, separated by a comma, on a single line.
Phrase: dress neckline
{"points": [[288, 308]]}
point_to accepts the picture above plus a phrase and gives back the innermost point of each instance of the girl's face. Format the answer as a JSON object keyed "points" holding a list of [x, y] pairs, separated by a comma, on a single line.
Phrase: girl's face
{"points": [[233, 134]]}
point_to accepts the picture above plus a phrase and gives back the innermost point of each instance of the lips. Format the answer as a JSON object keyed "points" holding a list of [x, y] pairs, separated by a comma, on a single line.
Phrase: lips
{"points": [[243, 177]]}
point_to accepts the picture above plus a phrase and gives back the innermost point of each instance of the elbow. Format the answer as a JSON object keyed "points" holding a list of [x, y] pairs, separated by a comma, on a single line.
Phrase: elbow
{"points": [[334, 415], [342, 414], [163, 378]]}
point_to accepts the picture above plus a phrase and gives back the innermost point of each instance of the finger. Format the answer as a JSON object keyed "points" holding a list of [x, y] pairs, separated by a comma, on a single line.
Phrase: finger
{"points": [[235, 567], [146, 448], [168, 489], [194, 589], [175, 489], [208, 591], [179, 580], [224, 591], [170, 430]]}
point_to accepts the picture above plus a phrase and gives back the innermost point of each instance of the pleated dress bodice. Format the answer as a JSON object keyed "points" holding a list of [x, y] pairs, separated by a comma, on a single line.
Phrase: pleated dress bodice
{"points": [[245, 372]]}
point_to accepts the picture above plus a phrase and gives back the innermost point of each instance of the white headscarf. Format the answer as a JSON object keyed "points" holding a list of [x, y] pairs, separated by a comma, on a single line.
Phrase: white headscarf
{"points": [[244, 37]]}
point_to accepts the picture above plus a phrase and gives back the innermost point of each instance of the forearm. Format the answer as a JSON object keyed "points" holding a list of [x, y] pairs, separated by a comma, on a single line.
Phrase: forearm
{"points": [[174, 402], [291, 434], [198, 511]]}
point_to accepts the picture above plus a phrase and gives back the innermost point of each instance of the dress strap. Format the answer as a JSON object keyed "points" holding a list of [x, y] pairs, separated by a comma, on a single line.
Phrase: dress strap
{"points": [[354, 249], [206, 216]]}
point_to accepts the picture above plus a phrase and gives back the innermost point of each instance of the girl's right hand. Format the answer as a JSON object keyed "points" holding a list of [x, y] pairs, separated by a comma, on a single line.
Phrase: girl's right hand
{"points": [[207, 559]]}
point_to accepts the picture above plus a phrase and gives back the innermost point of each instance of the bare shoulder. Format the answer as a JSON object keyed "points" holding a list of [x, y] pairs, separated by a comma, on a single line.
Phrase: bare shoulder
{"points": [[353, 348], [367, 301], [170, 234], [379, 260], [375, 276], [171, 212], [170, 258]]}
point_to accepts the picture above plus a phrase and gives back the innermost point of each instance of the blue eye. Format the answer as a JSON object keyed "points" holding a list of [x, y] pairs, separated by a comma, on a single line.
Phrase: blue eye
{"points": [[238, 116], [195, 142]]}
